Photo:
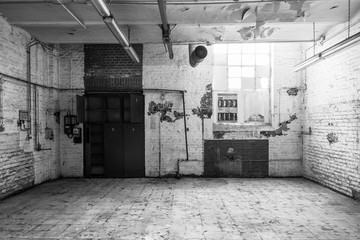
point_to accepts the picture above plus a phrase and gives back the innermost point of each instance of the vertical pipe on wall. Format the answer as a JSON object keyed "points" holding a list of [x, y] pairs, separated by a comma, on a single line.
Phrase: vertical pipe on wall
{"points": [[28, 76], [2, 128], [36, 137], [159, 148], [185, 127]]}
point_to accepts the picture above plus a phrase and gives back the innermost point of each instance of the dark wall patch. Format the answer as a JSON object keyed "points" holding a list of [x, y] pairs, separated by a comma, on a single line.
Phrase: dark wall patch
{"points": [[219, 134], [332, 138], [292, 91], [236, 158]]}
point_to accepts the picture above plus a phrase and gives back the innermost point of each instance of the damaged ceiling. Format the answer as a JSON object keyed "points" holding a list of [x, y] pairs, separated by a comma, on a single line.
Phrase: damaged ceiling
{"points": [[190, 21]]}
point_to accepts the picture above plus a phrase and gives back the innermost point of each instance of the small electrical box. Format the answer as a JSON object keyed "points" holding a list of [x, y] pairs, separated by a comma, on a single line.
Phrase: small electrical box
{"points": [[23, 115], [77, 135], [49, 133], [69, 122]]}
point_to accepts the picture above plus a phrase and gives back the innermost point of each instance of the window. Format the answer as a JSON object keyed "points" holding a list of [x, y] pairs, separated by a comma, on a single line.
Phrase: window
{"points": [[242, 83]]}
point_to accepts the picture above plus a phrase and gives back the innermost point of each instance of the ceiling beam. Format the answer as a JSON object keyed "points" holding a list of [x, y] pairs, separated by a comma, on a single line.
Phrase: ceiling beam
{"points": [[165, 27]]}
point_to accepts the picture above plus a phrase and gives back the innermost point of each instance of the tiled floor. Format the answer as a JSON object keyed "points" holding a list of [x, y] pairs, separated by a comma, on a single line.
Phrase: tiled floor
{"points": [[267, 209]]}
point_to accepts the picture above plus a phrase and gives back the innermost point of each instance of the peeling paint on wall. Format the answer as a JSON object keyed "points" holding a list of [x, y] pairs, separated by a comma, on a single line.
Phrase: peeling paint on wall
{"points": [[253, 32], [165, 110], [279, 131], [205, 109], [292, 91], [332, 138]]}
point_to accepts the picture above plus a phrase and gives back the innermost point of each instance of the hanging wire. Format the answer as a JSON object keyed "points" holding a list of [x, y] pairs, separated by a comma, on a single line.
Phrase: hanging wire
{"points": [[72, 93], [1, 102], [349, 18], [314, 43]]}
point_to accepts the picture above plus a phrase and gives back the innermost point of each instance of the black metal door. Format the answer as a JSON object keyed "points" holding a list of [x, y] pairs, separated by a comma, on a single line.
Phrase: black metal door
{"points": [[113, 150], [115, 139], [134, 150]]}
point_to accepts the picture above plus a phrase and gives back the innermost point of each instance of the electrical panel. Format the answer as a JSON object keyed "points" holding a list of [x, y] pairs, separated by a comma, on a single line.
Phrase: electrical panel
{"points": [[77, 135], [69, 122], [227, 108]]}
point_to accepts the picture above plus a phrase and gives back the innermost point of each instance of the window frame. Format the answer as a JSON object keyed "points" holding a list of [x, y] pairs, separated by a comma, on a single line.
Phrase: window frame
{"points": [[243, 92]]}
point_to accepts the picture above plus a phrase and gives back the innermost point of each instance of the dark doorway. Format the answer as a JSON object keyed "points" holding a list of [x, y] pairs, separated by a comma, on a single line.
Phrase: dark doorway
{"points": [[115, 138]]}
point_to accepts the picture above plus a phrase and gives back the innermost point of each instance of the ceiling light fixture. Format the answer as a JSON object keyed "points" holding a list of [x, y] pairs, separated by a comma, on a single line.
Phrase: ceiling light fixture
{"points": [[131, 52], [114, 28], [101, 7], [111, 23], [328, 52]]}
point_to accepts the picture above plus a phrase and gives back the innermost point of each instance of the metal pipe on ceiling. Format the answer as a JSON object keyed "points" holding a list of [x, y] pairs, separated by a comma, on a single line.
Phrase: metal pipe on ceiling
{"points": [[101, 7], [354, 39], [127, 2], [114, 28], [165, 28], [111, 23], [72, 14]]}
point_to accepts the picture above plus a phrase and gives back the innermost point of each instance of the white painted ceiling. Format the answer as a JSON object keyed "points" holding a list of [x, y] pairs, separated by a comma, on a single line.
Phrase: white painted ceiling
{"points": [[190, 20]]}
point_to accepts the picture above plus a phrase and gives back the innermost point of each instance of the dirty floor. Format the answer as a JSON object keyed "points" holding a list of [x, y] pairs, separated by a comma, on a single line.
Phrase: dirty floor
{"points": [[252, 209]]}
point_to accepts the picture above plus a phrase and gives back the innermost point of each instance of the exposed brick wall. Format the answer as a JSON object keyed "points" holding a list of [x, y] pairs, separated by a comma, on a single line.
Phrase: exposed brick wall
{"points": [[111, 60], [21, 165], [332, 103], [163, 73]]}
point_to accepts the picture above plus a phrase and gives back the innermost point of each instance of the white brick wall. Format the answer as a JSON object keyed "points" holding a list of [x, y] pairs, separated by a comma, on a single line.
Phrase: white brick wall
{"points": [[285, 152], [20, 165], [72, 76], [332, 103], [162, 73]]}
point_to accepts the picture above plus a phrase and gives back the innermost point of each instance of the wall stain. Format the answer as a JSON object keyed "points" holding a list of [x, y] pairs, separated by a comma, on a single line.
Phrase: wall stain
{"points": [[332, 138], [279, 131], [184, 9], [219, 134], [165, 110], [292, 91], [205, 109]]}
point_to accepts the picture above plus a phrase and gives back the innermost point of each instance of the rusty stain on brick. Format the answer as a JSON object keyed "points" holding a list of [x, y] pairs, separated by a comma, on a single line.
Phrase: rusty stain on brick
{"points": [[205, 109], [292, 91], [279, 131], [332, 138]]}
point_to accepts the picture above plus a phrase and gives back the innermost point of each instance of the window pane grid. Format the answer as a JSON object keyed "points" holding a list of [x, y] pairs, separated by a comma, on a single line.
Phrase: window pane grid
{"points": [[248, 75], [248, 61]]}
